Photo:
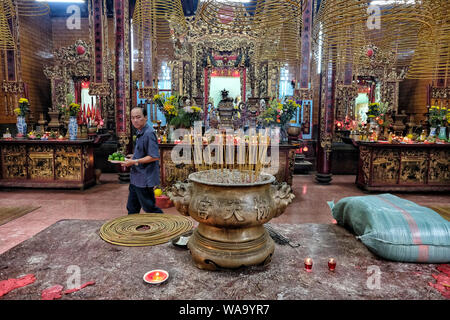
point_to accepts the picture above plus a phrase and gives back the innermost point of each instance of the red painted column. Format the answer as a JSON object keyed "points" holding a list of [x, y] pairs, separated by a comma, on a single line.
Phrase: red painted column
{"points": [[122, 81], [305, 66], [326, 120]]}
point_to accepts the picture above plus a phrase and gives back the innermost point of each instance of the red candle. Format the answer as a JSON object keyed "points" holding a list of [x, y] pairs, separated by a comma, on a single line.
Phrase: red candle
{"points": [[331, 264], [308, 264], [156, 276]]}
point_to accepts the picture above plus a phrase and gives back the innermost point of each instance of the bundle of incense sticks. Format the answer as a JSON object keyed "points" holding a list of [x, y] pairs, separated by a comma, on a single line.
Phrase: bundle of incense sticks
{"points": [[232, 152]]}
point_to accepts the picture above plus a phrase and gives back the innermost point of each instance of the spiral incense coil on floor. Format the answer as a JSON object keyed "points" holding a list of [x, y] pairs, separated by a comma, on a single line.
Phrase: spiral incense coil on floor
{"points": [[148, 229]]}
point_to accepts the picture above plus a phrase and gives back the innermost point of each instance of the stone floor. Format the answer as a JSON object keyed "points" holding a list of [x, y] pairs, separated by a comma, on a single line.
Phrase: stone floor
{"points": [[108, 200], [72, 248]]}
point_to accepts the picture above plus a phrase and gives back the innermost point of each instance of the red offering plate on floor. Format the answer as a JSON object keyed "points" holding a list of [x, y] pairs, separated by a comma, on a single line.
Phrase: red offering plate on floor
{"points": [[156, 276]]}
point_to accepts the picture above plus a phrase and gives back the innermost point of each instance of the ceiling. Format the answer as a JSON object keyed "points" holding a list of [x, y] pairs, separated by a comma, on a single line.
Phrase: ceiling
{"points": [[60, 9]]}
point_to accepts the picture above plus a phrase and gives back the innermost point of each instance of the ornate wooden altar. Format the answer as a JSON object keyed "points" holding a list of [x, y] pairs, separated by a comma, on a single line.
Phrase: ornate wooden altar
{"points": [[47, 164], [171, 172], [403, 167]]}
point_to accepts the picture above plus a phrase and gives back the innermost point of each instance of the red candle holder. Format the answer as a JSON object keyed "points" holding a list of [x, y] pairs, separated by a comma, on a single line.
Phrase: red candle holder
{"points": [[308, 264], [331, 264], [156, 276]]}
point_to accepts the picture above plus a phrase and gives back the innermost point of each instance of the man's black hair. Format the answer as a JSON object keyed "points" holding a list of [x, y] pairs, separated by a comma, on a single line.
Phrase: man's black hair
{"points": [[144, 110]]}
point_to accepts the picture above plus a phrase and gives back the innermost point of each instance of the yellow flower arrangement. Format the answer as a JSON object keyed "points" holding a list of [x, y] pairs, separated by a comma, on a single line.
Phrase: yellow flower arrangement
{"points": [[279, 113], [23, 108], [196, 109]]}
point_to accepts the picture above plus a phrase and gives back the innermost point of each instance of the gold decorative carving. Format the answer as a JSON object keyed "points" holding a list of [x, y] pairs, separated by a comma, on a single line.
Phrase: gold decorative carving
{"points": [[14, 87], [147, 92], [173, 172], [326, 144], [439, 164], [364, 154], [85, 157], [40, 165], [280, 175], [123, 140], [440, 93], [385, 166], [291, 162], [14, 161], [303, 94], [381, 66], [67, 65], [99, 89], [68, 163], [413, 166], [345, 100]]}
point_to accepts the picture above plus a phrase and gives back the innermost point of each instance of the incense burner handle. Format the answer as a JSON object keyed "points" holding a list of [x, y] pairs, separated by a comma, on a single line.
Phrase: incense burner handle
{"points": [[180, 194], [282, 195]]}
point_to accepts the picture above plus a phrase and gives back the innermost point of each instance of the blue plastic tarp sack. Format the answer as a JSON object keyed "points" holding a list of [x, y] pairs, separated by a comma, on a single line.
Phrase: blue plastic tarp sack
{"points": [[394, 228]]}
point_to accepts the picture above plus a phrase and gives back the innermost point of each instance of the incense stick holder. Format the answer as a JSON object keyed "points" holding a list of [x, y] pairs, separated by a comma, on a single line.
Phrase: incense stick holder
{"points": [[231, 212]]}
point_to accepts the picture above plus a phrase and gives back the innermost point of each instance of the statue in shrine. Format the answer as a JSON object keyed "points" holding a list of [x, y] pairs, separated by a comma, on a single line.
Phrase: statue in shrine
{"points": [[226, 109]]}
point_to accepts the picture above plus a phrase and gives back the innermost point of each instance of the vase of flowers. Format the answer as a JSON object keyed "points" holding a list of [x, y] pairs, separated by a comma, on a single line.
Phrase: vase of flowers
{"points": [[21, 111], [434, 115], [279, 114], [72, 110], [168, 105], [443, 119]]}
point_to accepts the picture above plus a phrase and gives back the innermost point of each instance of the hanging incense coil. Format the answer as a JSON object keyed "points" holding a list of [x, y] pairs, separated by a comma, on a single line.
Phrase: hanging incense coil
{"points": [[343, 26], [432, 58], [253, 15], [32, 8], [148, 229], [8, 9], [157, 19], [6, 39]]}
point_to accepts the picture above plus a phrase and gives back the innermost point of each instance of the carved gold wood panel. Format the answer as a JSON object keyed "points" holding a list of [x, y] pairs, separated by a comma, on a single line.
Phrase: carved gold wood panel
{"points": [[40, 162], [364, 154], [385, 166], [281, 174], [68, 163], [40, 166], [172, 172], [14, 159], [439, 167], [414, 166]]}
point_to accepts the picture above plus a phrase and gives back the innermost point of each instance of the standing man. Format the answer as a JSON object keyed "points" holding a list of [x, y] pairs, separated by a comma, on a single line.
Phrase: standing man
{"points": [[144, 163]]}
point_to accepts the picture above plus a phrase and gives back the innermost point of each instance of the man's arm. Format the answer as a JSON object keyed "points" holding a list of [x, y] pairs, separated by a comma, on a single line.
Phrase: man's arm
{"points": [[152, 148]]}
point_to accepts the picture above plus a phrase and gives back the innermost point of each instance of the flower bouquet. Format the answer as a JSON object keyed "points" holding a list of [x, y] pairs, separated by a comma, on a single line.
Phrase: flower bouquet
{"points": [[279, 113], [168, 105], [21, 111], [186, 117], [23, 108], [374, 110]]}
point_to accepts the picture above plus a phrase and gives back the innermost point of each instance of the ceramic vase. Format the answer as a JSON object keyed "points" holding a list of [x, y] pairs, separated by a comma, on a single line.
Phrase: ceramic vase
{"points": [[73, 128]]}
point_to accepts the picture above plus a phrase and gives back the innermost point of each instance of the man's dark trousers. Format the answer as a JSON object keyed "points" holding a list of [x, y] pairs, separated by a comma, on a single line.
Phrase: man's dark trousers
{"points": [[142, 198]]}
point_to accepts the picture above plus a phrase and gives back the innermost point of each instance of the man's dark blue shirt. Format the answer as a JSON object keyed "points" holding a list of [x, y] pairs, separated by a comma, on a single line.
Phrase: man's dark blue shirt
{"points": [[147, 174]]}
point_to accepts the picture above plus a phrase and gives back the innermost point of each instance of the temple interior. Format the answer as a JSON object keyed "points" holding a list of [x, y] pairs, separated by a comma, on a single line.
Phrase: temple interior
{"points": [[303, 149]]}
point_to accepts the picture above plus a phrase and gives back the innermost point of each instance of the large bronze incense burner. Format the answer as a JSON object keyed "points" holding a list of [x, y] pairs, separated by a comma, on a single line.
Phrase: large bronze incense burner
{"points": [[231, 208]]}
